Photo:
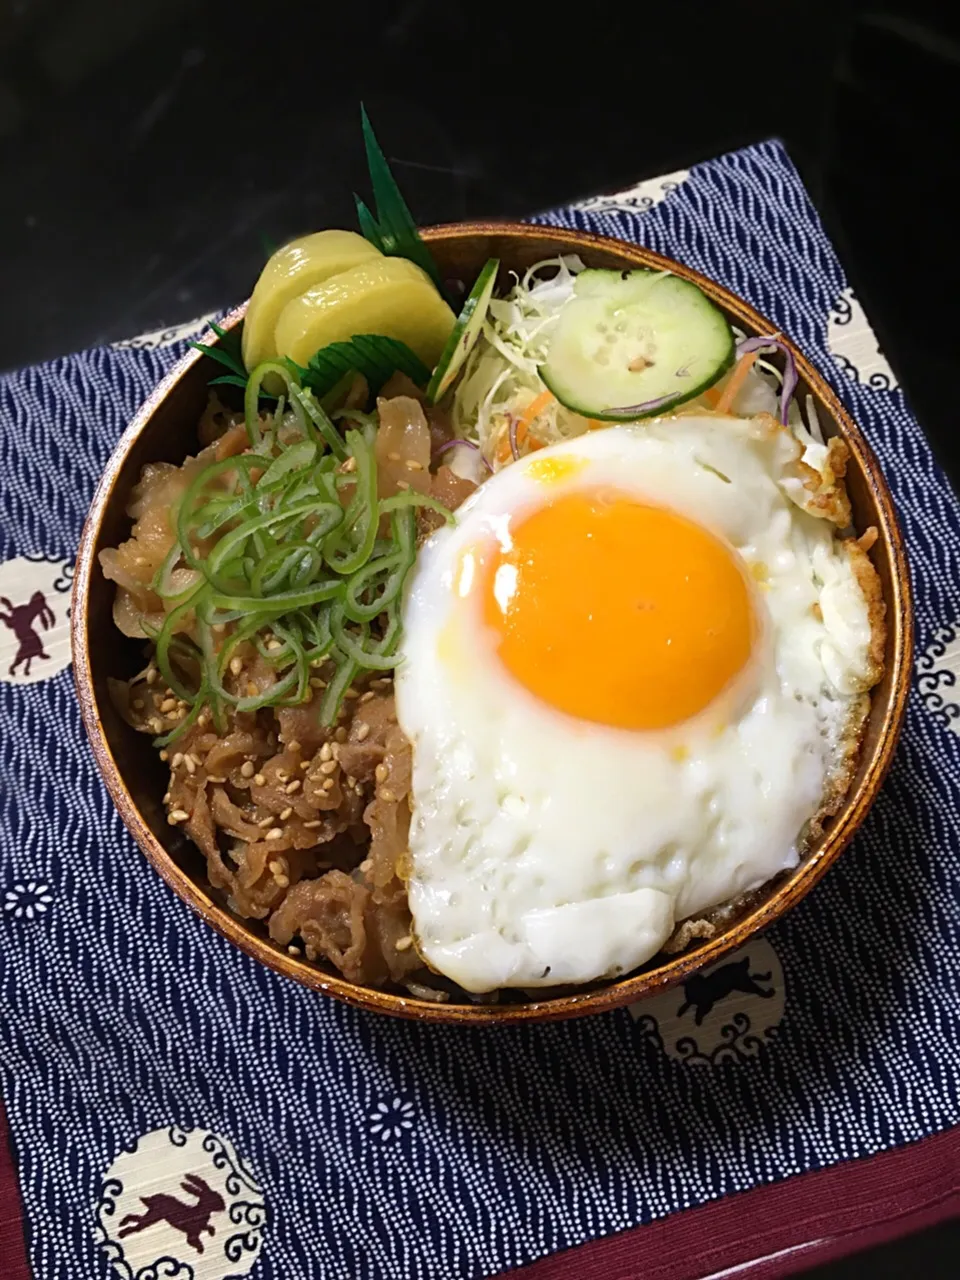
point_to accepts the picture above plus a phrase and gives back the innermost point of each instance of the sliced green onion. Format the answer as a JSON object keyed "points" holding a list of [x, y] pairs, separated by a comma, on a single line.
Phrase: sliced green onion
{"points": [[377, 655], [316, 414], [296, 458], [411, 498], [251, 398], [285, 540], [275, 606], [344, 677], [350, 545]]}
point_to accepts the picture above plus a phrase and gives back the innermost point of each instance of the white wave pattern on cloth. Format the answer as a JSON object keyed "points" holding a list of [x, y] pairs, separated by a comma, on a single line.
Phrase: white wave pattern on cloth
{"points": [[123, 1013], [638, 198], [172, 336], [854, 345]]}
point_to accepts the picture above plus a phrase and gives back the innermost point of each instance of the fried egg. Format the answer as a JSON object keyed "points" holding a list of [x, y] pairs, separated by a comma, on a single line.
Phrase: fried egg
{"points": [[628, 674]]}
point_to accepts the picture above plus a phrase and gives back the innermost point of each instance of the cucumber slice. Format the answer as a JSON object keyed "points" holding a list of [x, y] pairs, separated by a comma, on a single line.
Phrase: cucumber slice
{"points": [[631, 344], [465, 332]]}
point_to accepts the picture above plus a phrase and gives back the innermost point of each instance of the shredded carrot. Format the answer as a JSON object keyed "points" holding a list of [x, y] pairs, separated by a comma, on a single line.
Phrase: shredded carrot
{"points": [[595, 424], [529, 415], [737, 379], [712, 395]]}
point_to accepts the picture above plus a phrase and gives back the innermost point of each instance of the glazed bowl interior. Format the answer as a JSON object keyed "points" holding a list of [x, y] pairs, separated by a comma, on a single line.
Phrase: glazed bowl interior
{"points": [[165, 430]]}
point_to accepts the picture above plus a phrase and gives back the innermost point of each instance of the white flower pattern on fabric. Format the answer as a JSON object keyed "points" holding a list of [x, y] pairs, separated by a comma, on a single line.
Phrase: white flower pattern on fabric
{"points": [[390, 1119], [27, 900]]}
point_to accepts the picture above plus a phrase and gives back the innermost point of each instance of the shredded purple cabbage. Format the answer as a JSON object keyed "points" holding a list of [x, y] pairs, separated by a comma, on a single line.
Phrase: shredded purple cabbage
{"points": [[789, 369], [514, 446], [638, 410]]}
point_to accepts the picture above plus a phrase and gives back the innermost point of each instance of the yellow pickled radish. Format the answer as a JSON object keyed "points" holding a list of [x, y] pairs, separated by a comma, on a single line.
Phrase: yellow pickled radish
{"points": [[390, 296], [291, 271]]}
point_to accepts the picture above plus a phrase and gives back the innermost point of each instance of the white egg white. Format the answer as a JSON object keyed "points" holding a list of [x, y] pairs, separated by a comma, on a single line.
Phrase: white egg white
{"points": [[545, 849]]}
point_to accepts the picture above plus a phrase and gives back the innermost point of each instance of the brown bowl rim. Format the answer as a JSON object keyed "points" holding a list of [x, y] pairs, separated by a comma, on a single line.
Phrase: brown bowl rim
{"points": [[624, 991]]}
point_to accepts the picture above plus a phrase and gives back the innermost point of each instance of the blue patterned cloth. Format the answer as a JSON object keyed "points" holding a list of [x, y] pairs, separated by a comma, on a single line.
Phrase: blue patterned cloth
{"points": [[381, 1148]]}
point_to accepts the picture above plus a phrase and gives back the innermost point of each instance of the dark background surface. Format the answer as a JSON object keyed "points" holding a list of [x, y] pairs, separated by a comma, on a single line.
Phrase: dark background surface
{"points": [[152, 150]]}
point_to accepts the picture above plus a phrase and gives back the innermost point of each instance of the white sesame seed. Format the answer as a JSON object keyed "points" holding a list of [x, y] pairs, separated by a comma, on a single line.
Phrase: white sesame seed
{"points": [[305, 765], [283, 882], [236, 666], [166, 798], [216, 778], [177, 760], [387, 796], [277, 867], [413, 465], [168, 704], [265, 822], [293, 786], [274, 833], [366, 865], [328, 766], [405, 943], [366, 697], [312, 826], [317, 683], [274, 644], [156, 724], [293, 951], [393, 456], [286, 813], [202, 719], [247, 769], [351, 781], [402, 485], [328, 784], [152, 675], [164, 755], [381, 772], [293, 746], [260, 780], [282, 775], [177, 815], [326, 751], [191, 765], [363, 732]]}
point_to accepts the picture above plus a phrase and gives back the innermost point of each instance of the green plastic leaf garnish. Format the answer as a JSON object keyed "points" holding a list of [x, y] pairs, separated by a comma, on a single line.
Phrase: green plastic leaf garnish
{"points": [[227, 353], [393, 231], [375, 356]]}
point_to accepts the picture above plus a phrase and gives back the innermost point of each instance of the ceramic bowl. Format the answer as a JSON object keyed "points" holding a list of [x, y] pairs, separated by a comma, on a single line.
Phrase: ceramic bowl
{"points": [[164, 429]]}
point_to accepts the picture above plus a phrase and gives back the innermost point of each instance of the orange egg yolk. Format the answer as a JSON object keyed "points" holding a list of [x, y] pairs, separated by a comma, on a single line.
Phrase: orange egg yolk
{"points": [[615, 611]]}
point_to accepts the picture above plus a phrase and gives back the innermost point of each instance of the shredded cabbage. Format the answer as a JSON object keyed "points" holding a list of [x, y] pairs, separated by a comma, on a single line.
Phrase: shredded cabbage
{"points": [[500, 378]]}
